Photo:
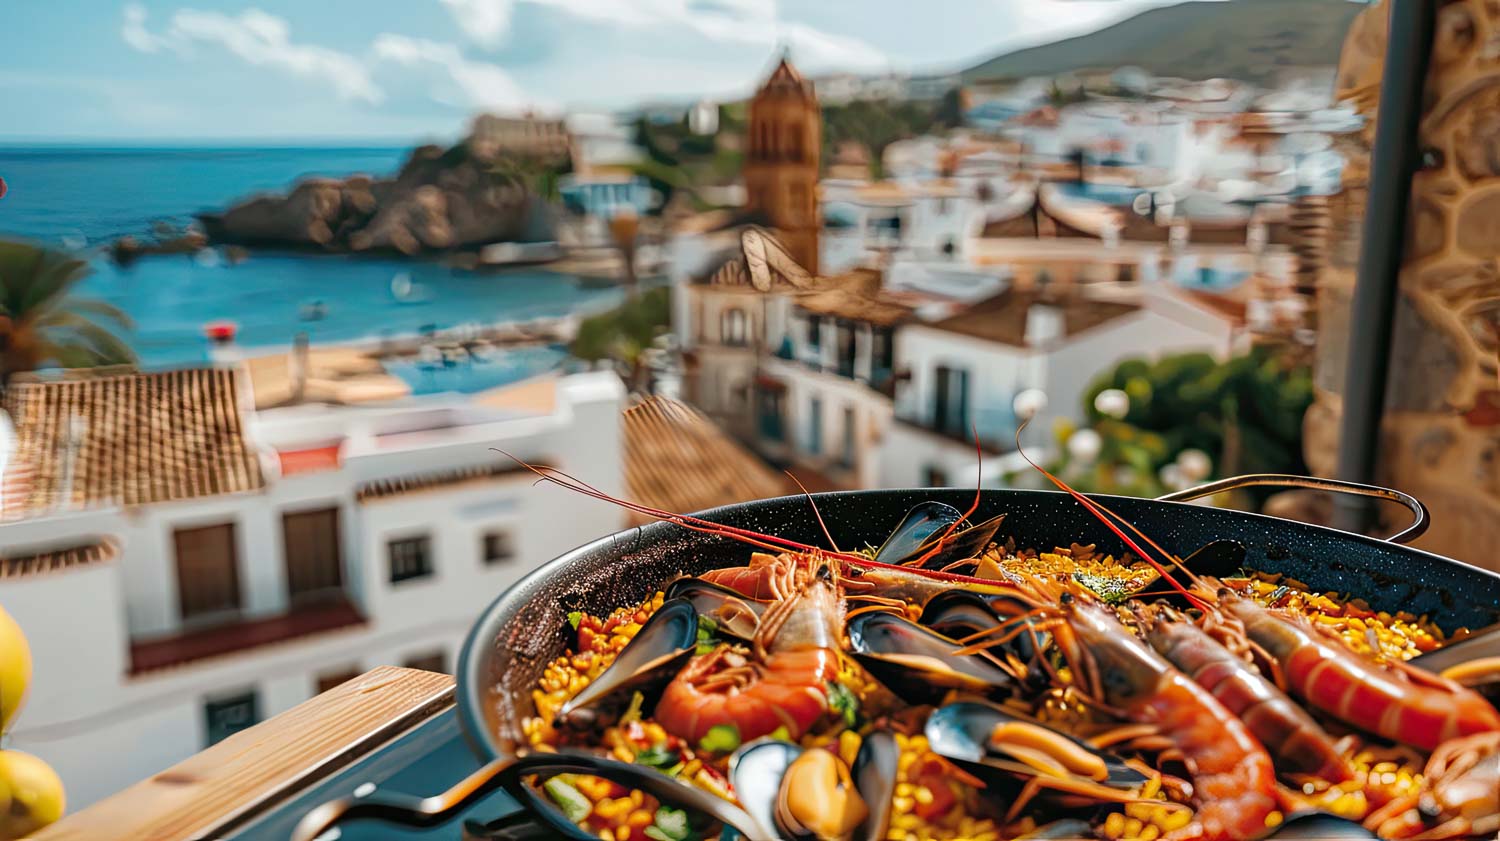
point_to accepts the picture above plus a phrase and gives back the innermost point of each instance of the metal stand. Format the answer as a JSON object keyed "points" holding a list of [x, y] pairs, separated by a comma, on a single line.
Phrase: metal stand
{"points": [[1393, 162]]}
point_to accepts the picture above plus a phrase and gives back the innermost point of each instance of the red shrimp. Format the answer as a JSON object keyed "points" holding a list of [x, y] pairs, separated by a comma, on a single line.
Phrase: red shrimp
{"points": [[783, 680], [1234, 783], [1284, 728], [1390, 699]]}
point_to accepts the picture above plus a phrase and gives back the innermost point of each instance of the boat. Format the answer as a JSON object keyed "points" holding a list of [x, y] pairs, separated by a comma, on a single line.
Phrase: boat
{"points": [[407, 292]]}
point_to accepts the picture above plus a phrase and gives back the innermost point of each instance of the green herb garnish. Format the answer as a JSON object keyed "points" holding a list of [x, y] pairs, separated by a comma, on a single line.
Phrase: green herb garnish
{"points": [[670, 825], [781, 734], [844, 702], [572, 802], [720, 738], [658, 756], [706, 629], [574, 618]]}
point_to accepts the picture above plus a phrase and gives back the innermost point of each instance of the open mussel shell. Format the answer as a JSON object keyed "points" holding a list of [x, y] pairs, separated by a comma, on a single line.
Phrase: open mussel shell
{"points": [[1473, 661], [924, 524], [757, 769], [961, 732], [963, 613], [1320, 826], [733, 614], [656, 653], [918, 663]]}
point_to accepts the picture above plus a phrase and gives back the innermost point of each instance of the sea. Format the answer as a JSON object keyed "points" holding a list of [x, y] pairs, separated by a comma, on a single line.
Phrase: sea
{"points": [[81, 198]]}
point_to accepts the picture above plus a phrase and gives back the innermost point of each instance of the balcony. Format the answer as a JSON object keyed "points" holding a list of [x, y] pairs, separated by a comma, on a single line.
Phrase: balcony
{"points": [[990, 445], [327, 614]]}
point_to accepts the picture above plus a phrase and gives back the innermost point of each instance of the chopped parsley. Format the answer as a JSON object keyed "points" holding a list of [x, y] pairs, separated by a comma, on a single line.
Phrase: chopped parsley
{"points": [[670, 825], [707, 628], [658, 756], [781, 734], [844, 702], [720, 738], [574, 618]]}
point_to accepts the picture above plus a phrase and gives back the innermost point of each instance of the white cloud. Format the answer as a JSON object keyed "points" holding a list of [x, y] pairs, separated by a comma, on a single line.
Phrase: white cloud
{"points": [[476, 84], [259, 38], [731, 22], [134, 30], [484, 21]]}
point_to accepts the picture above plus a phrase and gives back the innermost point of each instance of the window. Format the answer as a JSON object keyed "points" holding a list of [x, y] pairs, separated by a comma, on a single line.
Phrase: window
{"points": [[497, 547], [814, 427], [226, 716], [207, 570], [814, 334], [732, 327], [411, 557], [431, 662], [849, 437], [769, 401], [936, 477], [310, 545], [845, 347], [882, 351], [950, 411], [329, 680]]}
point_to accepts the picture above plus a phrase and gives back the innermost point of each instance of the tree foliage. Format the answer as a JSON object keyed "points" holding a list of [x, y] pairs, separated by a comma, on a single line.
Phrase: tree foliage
{"points": [[42, 324], [1245, 414], [624, 333]]}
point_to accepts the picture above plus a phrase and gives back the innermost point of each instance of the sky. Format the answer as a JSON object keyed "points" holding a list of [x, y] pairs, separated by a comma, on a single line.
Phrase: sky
{"points": [[401, 70]]}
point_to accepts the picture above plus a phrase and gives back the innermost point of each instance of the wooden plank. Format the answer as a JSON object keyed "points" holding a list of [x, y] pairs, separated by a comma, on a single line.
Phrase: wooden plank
{"points": [[192, 799]]}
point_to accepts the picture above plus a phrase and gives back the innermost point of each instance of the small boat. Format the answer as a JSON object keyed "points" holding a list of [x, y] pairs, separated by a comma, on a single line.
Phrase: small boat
{"points": [[407, 292], [429, 356], [313, 311]]}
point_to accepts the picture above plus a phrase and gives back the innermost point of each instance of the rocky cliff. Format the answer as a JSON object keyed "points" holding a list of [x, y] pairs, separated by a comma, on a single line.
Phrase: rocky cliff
{"points": [[440, 200]]}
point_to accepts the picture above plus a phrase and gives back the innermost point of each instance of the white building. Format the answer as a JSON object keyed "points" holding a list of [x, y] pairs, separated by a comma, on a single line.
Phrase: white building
{"points": [[960, 375], [185, 566]]}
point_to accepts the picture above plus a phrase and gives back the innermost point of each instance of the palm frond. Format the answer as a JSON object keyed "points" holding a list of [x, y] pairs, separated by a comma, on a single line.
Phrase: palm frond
{"points": [[33, 276], [99, 311]]}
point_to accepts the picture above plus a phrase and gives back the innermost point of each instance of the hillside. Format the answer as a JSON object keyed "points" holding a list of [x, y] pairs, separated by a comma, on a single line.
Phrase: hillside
{"points": [[1238, 39]]}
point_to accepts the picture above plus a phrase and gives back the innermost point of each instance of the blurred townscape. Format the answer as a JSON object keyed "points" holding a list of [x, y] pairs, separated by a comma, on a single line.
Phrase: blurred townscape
{"points": [[264, 407]]}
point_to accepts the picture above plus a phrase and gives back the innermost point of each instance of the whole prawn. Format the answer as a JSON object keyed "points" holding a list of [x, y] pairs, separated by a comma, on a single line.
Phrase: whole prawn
{"points": [[1284, 728], [1390, 699], [783, 680], [1233, 779]]}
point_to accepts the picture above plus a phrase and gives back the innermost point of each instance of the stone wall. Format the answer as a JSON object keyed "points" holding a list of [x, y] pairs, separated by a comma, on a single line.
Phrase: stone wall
{"points": [[1441, 437]]}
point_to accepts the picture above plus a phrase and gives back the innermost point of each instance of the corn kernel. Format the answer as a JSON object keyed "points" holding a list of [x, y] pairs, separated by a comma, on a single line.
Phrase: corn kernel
{"points": [[1150, 832], [1114, 825], [923, 795], [1177, 820], [1273, 820], [1133, 827]]}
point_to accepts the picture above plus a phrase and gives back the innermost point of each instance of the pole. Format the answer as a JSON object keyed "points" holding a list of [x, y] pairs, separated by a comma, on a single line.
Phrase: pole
{"points": [[1393, 162]]}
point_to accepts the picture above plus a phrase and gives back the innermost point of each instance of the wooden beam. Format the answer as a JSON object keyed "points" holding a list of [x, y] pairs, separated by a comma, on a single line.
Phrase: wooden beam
{"points": [[258, 767]]}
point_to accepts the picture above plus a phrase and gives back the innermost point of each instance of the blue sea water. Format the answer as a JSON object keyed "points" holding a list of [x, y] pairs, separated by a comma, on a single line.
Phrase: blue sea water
{"points": [[84, 197]]}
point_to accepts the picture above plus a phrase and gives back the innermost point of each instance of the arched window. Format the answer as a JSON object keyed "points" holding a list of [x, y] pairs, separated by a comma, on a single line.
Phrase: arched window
{"points": [[733, 327]]}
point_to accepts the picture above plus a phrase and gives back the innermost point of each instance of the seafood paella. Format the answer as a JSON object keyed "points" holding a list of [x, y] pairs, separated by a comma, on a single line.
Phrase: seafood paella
{"points": [[947, 684]]}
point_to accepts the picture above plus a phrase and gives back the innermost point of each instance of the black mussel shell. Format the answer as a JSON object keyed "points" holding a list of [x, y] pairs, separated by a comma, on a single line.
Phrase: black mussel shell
{"points": [[659, 650], [961, 613], [733, 614], [875, 769], [1067, 829], [961, 732], [1474, 661], [918, 663], [924, 524], [755, 771], [1320, 826]]}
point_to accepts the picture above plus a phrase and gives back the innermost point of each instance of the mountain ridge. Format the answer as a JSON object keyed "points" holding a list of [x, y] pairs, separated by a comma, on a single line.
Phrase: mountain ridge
{"points": [[1249, 40]]}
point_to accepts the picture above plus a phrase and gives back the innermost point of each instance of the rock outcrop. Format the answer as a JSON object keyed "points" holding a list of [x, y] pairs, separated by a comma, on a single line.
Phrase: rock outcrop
{"points": [[440, 200]]}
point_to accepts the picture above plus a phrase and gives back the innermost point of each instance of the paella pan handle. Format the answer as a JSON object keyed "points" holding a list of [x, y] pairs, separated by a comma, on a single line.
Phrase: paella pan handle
{"points": [[508, 773], [1420, 519]]}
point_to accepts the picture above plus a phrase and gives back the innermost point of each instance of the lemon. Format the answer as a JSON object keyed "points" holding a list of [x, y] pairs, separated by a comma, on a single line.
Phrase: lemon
{"points": [[15, 669], [32, 791]]}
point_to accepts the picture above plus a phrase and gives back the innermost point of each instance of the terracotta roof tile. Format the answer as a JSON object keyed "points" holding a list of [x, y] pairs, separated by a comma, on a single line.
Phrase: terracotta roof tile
{"points": [[21, 565], [679, 460], [413, 483], [1002, 318], [132, 439]]}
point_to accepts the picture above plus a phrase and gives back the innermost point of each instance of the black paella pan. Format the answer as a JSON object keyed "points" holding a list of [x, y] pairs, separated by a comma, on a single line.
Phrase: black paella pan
{"points": [[527, 627]]}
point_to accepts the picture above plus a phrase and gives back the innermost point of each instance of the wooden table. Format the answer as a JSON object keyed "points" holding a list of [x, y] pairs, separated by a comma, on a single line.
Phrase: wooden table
{"points": [[255, 769]]}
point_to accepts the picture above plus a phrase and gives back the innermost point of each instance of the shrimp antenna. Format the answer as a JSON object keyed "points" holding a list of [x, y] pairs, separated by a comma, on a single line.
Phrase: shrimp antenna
{"points": [[974, 506], [816, 513], [1104, 515]]}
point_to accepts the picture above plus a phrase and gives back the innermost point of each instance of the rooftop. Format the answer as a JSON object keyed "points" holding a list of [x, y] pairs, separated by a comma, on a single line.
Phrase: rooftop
{"points": [[23, 564], [1002, 318], [334, 375], [677, 459], [131, 439]]}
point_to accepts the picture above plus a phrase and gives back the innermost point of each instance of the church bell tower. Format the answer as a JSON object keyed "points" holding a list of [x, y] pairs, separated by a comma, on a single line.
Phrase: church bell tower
{"points": [[781, 162]]}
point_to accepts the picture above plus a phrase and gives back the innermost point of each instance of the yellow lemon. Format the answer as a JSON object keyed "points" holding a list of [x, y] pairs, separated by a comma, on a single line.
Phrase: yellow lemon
{"points": [[15, 669], [33, 791]]}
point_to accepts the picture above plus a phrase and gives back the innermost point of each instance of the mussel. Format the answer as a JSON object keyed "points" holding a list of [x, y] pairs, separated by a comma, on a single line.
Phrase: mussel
{"points": [[798, 794], [657, 652], [918, 663], [926, 523], [1473, 661], [1320, 826], [733, 614], [960, 614], [965, 732]]}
